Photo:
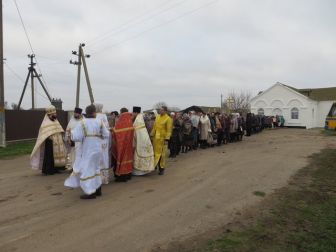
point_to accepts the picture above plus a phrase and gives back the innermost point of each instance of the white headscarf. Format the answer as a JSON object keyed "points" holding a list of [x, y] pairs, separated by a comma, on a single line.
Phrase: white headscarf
{"points": [[99, 107]]}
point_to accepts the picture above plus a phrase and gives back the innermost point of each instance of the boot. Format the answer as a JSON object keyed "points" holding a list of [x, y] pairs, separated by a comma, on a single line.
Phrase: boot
{"points": [[161, 171], [99, 192], [120, 179], [88, 196]]}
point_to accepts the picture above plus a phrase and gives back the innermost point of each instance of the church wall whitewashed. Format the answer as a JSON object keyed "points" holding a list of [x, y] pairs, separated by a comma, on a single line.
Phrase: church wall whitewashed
{"points": [[281, 100]]}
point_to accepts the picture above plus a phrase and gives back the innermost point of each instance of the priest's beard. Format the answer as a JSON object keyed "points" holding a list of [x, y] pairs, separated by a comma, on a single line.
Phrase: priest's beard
{"points": [[52, 118]]}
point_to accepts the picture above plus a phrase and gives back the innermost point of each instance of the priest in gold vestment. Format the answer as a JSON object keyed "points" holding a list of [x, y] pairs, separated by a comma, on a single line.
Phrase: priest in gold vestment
{"points": [[49, 154], [143, 148], [161, 134]]}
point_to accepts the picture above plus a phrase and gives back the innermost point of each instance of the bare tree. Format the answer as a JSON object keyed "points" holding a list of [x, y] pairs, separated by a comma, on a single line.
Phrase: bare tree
{"points": [[238, 102], [158, 105]]}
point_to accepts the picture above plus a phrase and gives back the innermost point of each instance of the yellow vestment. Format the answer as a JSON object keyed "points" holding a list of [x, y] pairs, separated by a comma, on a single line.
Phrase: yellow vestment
{"points": [[161, 132], [53, 130]]}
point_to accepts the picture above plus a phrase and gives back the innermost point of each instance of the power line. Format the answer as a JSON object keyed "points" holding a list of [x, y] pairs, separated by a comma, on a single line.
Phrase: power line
{"points": [[24, 27], [55, 60], [129, 24], [157, 26], [126, 23], [29, 41], [13, 72]]}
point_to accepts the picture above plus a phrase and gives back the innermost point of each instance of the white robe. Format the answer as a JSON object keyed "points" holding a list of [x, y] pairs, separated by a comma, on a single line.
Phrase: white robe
{"points": [[205, 127], [105, 163], [73, 152], [143, 148], [86, 171]]}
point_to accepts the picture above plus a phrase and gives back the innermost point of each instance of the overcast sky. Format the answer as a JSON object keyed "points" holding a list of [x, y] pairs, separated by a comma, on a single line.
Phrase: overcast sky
{"points": [[183, 52]]}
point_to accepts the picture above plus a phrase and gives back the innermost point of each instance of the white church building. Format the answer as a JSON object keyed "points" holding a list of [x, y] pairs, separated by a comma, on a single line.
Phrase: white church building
{"points": [[306, 108]]}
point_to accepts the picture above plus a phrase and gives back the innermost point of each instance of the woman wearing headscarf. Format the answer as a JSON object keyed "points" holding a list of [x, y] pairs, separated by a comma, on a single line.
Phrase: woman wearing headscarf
{"points": [[205, 129], [187, 141]]}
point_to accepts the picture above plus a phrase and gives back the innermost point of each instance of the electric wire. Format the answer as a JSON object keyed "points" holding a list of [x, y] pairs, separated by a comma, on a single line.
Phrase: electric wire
{"points": [[29, 41], [155, 27], [128, 25]]}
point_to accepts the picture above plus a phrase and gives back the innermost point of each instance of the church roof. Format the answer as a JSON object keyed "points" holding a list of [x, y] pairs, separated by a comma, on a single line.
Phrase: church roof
{"points": [[317, 94], [203, 109]]}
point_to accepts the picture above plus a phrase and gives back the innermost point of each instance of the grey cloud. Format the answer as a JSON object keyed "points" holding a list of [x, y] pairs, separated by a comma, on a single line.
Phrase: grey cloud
{"points": [[225, 46]]}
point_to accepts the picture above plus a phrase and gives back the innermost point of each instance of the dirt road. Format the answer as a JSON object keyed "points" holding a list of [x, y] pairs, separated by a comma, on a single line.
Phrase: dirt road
{"points": [[200, 190]]}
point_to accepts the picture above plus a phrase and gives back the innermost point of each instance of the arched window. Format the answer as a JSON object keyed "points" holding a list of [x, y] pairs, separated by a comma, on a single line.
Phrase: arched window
{"points": [[277, 112], [295, 113], [261, 111]]}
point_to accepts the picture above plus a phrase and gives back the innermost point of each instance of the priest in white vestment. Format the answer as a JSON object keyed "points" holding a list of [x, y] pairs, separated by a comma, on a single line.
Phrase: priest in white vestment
{"points": [[86, 171], [73, 147], [143, 148], [105, 163]]}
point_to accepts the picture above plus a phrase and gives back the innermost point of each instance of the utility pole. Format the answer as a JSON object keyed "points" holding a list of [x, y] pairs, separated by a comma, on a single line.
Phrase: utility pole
{"points": [[32, 80], [2, 87], [79, 63], [221, 103], [32, 73], [81, 60]]}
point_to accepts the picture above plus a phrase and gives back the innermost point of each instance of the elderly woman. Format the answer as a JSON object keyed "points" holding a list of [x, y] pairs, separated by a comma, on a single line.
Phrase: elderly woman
{"points": [[187, 139], [234, 127], [175, 140], [205, 129]]}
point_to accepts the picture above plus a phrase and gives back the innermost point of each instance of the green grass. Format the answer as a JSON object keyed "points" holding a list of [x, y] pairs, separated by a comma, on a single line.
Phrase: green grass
{"points": [[301, 217], [16, 149], [329, 132]]}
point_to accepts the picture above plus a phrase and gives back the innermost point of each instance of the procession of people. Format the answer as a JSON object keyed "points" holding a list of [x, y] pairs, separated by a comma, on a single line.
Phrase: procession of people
{"points": [[97, 149]]}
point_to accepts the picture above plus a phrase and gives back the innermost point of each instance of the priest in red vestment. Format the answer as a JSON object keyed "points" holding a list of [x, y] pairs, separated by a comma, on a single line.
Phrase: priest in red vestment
{"points": [[122, 146]]}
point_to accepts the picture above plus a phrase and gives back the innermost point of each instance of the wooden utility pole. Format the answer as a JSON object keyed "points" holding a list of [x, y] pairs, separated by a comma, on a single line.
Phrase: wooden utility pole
{"points": [[2, 87], [81, 60]]}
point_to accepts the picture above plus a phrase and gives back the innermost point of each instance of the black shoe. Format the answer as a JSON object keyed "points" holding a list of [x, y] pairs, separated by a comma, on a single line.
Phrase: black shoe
{"points": [[88, 196], [161, 171], [99, 192], [120, 179]]}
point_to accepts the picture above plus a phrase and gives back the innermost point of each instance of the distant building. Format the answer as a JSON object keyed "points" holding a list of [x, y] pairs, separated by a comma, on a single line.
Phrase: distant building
{"points": [[306, 108], [57, 103], [203, 109]]}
